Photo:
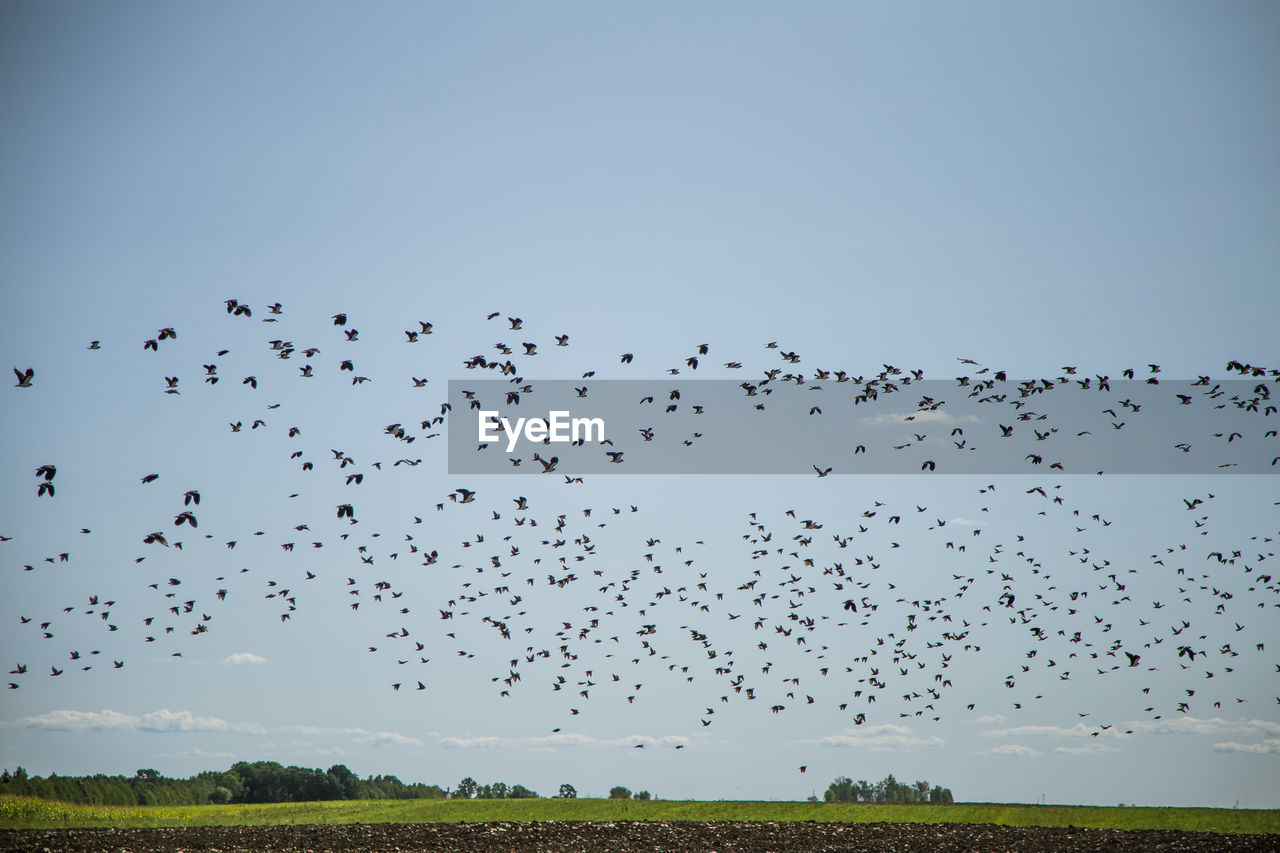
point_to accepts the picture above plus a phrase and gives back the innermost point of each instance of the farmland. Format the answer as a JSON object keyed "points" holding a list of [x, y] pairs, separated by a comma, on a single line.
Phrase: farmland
{"points": [[23, 813]]}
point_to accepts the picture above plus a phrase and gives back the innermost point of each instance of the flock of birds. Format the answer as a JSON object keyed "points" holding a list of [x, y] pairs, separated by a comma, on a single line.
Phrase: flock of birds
{"points": [[830, 611]]}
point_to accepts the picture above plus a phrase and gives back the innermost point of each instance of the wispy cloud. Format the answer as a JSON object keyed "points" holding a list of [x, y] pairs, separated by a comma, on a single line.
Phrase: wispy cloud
{"points": [[1014, 749], [325, 731], [300, 747], [1094, 748], [163, 720], [1078, 730], [991, 719], [924, 416], [244, 659], [1270, 746], [391, 739], [197, 752], [1211, 726], [78, 721], [1270, 732], [559, 739], [886, 736], [354, 733]]}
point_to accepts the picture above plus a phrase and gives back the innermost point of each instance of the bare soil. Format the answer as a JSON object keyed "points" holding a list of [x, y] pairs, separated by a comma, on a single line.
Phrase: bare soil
{"points": [[627, 837]]}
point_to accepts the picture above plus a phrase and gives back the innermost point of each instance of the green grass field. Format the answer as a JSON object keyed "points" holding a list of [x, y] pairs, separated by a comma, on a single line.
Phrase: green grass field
{"points": [[23, 813]]}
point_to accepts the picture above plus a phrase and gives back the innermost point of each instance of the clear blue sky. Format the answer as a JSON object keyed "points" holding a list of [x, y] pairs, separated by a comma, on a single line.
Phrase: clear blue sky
{"points": [[867, 184]]}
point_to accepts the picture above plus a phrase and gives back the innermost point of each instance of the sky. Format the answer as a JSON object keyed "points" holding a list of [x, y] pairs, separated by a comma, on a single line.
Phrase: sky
{"points": [[867, 185]]}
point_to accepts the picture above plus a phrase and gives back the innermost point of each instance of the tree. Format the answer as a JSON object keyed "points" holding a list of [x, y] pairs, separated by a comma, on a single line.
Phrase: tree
{"points": [[220, 796], [346, 781], [520, 792], [568, 792], [841, 791], [618, 792], [467, 788], [147, 775], [643, 795]]}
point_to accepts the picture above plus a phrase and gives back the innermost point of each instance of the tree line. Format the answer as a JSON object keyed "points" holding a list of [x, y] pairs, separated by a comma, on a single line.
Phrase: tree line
{"points": [[244, 782], [887, 790], [272, 782], [468, 788]]}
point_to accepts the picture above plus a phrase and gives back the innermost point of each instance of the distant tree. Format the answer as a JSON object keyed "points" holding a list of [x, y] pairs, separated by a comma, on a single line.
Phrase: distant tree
{"points": [[887, 790], [618, 792], [568, 792], [841, 790], [643, 795], [245, 782], [220, 796], [520, 792], [467, 788], [346, 782], [498, 791]]}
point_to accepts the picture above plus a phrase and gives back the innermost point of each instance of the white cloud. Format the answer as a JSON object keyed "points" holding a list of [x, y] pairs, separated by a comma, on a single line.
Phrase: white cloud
{"points": [[1014, 749], [355, 733], [1198, 726], [298, 747], [165, 720], [544, 742], [162, 720], [924, 416], [471, 742], [1078, 730], [318, 750], [1270, 746], [393, 739], [325, 731], [1270, 731], [886, 736], [991, 719], [244, 659], [197, 752], [78, 721], [1089, 749]]}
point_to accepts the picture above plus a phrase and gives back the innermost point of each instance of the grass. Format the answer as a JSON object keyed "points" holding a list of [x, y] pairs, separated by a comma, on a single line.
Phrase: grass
{"points": [[26, 813]]}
